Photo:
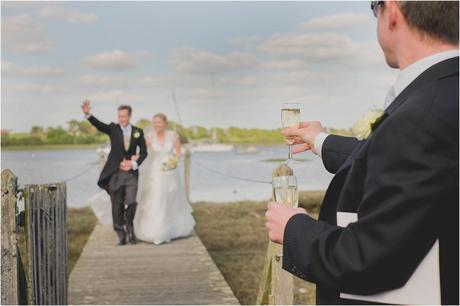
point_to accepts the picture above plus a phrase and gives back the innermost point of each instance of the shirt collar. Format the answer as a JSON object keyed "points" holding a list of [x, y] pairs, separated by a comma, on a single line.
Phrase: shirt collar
{"points": [[126, 128], [411, 72]]}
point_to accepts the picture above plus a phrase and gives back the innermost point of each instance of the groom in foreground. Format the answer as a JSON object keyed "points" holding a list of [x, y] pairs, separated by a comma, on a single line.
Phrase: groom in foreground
{"points": [[119, 177], [401, 184]]}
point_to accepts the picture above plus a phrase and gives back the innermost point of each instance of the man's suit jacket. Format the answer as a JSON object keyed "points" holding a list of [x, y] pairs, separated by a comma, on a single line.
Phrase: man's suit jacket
{"points": [[403, 184], [117, 149]]}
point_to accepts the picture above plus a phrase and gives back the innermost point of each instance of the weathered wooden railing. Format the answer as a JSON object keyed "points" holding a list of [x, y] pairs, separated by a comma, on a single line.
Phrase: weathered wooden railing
{"points": [[277, 285], [36, 269]]}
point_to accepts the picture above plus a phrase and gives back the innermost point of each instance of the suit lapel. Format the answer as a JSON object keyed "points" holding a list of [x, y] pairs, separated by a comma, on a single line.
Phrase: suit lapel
{"points": [[131, 139]]}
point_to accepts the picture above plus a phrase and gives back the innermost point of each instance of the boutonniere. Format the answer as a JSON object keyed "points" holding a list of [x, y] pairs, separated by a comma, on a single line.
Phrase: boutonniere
{"points": [[367, 124], [137, 134]]}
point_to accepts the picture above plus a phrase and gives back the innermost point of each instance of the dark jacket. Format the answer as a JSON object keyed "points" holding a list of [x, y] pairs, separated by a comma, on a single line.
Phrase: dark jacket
{"points": [[403, 184], [117, 149]]}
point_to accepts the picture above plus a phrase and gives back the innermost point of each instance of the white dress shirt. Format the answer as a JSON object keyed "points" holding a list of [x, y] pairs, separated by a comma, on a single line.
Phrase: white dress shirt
{"points": [[405, 77]]}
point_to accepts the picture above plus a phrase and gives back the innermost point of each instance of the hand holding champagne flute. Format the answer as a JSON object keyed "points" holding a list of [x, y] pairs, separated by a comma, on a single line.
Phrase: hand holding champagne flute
{"points": [[290, 117]]}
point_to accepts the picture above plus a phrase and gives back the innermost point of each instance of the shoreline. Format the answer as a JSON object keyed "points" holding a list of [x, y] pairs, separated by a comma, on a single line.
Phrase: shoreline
{"points": [[54, 147], [58, 147]]}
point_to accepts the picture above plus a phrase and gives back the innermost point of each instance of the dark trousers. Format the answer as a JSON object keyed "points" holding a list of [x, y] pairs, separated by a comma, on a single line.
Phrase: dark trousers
{"points": [[123, 192]]}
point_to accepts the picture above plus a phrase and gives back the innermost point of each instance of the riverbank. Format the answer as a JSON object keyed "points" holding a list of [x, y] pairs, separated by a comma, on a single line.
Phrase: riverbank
{"points": [[234, 235], [50, 147]]}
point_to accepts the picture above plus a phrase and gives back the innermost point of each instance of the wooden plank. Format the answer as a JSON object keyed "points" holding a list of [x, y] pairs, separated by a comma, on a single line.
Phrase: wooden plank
{"points": [[179, 272], [9, 261]]}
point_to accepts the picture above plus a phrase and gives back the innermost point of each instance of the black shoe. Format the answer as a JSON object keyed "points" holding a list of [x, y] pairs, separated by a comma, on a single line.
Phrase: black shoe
{"points": [[131, 236], [121, 237]]}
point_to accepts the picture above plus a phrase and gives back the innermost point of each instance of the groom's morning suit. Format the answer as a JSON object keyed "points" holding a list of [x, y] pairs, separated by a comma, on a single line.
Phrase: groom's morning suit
{"points": [[403, 184], [121, 185]]}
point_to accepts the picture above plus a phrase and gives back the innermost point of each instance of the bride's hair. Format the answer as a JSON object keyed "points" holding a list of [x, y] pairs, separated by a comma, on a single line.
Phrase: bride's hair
{"points": [[162, 117]]}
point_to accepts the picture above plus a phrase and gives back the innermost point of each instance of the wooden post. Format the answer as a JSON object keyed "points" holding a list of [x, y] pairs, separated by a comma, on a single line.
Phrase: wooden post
{"points": [[277, 285], [187, 164], [9, 263]]}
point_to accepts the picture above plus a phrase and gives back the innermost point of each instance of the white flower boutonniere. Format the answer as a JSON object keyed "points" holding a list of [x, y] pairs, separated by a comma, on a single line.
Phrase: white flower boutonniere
{"points": [[363, 128], [137, 134]]}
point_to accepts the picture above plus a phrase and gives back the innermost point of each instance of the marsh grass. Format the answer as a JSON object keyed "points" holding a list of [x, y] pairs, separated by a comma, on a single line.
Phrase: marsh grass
{"points": [[235, 237], [80, 224]]}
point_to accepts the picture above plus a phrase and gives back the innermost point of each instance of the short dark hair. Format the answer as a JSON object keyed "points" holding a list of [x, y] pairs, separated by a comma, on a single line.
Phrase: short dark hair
{"points": [[437, 19], [126, 107]]}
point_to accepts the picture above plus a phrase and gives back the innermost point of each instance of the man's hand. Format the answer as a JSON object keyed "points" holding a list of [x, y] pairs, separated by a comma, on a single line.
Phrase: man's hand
{"points": [[304, 136], [126, 165], [277, 217], [85, 107], [135, 157]]}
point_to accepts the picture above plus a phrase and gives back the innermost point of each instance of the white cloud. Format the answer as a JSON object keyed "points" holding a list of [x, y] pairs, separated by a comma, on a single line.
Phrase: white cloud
{"points": [[115, 60], [21, 33], [118, 96], [200, 61], [284, 64], [337, 22], [31, 71], [102, 80], [32, 88], [153, 81], [69, 16], [314, 46]]}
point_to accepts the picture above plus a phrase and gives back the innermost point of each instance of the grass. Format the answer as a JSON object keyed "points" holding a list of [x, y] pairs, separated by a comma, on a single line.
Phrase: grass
{"points": [[80, 224], [235, 237]]}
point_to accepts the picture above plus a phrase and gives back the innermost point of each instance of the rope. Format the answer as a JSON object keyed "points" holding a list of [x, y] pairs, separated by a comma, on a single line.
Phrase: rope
{"points": [[197, 163], [81, 173], [231, 176]]}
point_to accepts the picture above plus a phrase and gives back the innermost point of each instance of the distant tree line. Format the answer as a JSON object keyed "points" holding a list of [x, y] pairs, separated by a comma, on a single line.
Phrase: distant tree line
{"points": [[82, 132]]}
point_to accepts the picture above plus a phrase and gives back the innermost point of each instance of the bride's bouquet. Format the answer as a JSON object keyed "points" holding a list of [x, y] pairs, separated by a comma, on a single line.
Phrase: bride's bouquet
{"points": [[170, 164]]}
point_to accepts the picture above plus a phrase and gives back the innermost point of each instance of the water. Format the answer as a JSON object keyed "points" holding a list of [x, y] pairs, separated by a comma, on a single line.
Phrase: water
{"points": [[208, 182]]}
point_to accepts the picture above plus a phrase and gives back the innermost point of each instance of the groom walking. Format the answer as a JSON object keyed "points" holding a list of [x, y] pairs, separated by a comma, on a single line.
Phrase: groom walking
{"points": [[395, 195], [119, 177]]}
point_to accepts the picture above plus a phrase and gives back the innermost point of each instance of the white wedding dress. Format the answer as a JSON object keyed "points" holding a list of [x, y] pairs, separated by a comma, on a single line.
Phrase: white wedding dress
{"points": [[163, 212]]}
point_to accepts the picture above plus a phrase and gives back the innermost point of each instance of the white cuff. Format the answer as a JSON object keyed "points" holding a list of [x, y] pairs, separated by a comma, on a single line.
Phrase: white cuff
{"points": [[135, 166], [319, 140], [87, 115]]}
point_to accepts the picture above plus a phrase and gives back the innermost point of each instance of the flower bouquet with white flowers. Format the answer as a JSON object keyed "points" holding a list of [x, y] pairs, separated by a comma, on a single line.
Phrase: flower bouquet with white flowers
{"points": [[170, 164]]}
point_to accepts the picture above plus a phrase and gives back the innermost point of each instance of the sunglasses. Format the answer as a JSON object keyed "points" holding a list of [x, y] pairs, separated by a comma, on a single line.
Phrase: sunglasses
{"points": [[375, 6]]}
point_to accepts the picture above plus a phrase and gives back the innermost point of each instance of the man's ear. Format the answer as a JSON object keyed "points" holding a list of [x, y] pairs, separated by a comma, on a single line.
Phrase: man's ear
{"points": [[394, 14]]}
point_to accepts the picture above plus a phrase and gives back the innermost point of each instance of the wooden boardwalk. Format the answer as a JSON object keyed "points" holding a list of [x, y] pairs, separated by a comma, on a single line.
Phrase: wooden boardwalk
{"points": [[180, 272]]}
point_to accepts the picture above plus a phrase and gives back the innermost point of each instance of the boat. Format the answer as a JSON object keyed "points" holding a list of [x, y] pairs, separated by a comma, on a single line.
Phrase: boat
{"points": [[212, 147]]}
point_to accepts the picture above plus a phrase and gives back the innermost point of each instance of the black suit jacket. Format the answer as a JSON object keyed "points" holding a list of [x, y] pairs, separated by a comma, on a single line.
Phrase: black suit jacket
{"points": [[403, 184], [117, 149]]}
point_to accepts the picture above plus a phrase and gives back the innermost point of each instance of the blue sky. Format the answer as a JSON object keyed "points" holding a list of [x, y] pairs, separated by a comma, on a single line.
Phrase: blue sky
{"points": [[229, 63]]}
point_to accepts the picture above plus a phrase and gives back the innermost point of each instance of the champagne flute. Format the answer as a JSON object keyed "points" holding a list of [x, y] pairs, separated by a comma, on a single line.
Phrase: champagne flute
{"points": [[286, 191], [290, 117]]}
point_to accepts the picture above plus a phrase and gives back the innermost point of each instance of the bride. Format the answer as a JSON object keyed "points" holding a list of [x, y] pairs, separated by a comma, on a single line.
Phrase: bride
{"points": [[163, 212]]}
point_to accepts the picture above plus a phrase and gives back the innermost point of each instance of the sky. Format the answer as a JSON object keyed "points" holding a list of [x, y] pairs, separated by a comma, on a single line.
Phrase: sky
{"points": [[227, 63]]}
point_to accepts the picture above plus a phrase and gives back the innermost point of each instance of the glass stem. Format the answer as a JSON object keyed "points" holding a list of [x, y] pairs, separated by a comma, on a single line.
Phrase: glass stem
{"points": [[290, 152]]}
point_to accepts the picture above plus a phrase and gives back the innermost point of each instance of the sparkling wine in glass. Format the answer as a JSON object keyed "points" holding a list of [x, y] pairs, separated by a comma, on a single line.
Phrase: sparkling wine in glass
{"points": [[290, 117], [286, 191]]}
